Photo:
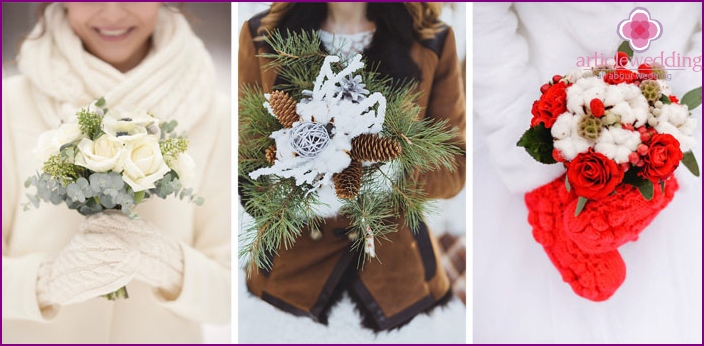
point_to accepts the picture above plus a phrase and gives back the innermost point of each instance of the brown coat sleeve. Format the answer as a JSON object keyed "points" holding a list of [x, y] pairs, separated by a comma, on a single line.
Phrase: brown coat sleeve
{"points": [[447, 101]]}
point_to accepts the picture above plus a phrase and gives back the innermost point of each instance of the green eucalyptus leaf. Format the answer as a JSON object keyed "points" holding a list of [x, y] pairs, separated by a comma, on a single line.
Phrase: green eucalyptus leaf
{"points": [[690, 161], [138, 197], [647, 189], [665, 99], [100, 102], [567, 184], [581, 202], [693, 98], [626, 48], [662, 186]]}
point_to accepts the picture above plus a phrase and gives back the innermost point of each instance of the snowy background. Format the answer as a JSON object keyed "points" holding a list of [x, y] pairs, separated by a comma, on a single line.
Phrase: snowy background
{"points": [[259, 322]]}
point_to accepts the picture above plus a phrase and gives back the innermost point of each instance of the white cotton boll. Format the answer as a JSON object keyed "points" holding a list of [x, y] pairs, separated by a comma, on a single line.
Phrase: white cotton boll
{"points": [[630, 91], [576, 75], [570, 147], [617, 144], [688, 126], [613, 96], [664, 88], [595, 92], [624, 110], [641, 110], [563, 126], [675, 114]]}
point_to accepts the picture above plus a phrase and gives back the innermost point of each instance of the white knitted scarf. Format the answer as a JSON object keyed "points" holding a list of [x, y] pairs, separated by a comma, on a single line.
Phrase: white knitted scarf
{"points": [[174, 81]]}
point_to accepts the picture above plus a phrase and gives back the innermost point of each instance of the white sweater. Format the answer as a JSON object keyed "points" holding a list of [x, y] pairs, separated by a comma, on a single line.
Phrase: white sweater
{"points": [[203, 231], [518, 294]]}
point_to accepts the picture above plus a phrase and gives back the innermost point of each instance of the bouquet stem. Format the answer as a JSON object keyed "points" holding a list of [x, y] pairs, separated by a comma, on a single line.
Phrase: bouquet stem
{"points": [[119, 294]]}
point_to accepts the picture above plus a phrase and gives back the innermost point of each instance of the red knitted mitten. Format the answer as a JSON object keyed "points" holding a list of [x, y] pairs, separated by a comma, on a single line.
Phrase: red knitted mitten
{"points": [[608, 223], [592, 276]]}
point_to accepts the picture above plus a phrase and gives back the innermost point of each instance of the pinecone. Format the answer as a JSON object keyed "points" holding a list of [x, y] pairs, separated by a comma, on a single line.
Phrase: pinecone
{"points": [[284, 107], [270, 153], [349, 181], [369, 147]]}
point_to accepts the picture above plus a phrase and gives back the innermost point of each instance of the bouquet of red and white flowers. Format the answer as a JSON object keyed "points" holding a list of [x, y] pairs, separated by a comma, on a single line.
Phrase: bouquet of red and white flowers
{"points": [[612, 126], [620, 134]]}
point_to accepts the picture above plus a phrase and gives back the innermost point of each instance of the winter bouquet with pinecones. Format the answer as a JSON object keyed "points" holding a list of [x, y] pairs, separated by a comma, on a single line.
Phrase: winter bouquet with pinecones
{"points": [[338, 139], [620, 133]]}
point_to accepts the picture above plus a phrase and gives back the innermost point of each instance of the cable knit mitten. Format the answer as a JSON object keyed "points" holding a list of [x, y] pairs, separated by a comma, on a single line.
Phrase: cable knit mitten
{"points": [[592, 276], [161, 260], [608, 223], [90, 266]]}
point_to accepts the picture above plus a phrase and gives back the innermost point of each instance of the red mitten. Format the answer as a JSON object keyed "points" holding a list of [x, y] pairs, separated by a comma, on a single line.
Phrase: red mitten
{"points": [[608, 223], [592, 276]]}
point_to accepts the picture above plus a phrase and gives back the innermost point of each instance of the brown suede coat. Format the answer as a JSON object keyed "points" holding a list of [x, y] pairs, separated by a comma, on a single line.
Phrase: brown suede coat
{"points": [[307, 279]]}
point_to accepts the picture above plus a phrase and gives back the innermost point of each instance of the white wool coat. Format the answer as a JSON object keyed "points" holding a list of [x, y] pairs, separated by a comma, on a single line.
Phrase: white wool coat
{"points": [[175, 81], [518, 294]]}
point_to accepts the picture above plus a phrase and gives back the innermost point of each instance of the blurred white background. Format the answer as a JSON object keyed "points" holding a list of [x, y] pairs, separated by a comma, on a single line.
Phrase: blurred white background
{"points": [[210, 21]]}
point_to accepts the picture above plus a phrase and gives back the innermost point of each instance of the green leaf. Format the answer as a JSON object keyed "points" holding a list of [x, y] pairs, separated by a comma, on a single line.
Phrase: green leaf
{"points": [[647, 189], [626, 48], [690, 162], [100, 102], [662, 186], [581, 202], [138, 196], [567, 184], [693, 98], [538, 143], [645, 186], [664, 99]]}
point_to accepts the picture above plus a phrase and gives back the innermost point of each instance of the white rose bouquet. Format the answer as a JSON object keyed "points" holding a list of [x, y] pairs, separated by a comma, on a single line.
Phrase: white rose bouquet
{"points": [[111, 159]]}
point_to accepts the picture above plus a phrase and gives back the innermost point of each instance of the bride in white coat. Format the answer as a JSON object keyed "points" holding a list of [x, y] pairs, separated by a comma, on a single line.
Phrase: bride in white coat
{"points": [[519, 296]]}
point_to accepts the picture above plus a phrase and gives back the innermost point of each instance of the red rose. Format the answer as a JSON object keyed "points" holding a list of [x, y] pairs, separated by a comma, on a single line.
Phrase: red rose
{"points": [[597, 107], [550, 105], [663, 157], [593, 175], [621, 75]]}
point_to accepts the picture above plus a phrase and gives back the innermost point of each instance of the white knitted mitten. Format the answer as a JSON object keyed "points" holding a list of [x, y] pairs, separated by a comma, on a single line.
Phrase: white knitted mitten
{"points": [[91, 265], [161, 257]]}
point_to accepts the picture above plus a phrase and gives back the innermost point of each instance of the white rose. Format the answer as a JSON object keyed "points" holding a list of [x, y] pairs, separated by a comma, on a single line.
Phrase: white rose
{"points": [[101, 155], [51, 141], [143, 163], [129, 125], [185, 167]]}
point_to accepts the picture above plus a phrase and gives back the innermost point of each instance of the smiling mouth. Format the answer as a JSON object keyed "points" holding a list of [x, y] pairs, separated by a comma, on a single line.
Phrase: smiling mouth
{"points": [[113, 33]]}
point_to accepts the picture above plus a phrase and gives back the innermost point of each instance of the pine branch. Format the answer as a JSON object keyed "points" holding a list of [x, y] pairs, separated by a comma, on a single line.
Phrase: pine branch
{"points": [[280, 210]]}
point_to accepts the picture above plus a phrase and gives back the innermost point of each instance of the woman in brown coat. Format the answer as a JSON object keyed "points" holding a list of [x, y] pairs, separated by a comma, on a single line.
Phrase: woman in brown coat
{"points": [[408, 42]]}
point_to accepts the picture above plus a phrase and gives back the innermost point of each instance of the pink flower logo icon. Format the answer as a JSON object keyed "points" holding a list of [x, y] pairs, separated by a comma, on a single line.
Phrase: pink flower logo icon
{"points": [[639, 29]]}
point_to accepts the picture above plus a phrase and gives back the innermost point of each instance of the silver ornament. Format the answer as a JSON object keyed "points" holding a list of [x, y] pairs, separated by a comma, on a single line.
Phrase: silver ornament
{"points": [[309, 139]]}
